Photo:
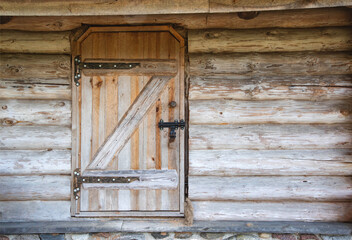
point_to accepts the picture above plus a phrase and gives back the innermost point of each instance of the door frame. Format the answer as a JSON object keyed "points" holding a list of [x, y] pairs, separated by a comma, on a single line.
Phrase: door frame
{"points": [[76, 48]]}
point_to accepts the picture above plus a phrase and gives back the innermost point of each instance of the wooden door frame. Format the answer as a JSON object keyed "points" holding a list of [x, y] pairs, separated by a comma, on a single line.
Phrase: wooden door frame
{"points": [[76, 49]]}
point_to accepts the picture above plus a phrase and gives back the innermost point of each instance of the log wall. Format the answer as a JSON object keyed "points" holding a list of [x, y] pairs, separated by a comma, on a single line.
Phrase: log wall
{"points": [[270, 124]]}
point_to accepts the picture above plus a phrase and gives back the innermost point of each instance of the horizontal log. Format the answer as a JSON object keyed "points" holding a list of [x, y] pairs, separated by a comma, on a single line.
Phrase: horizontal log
{"points": [[25, 188], [35, 112], [270, 40], [280, 19], [269, 136], [314, 189], [125, 7], [326, 87], [16, 90], [34, 42], [220, 112], [39, 68], [35, 137], [12, 211], [330, 162], [23, 162], [275, 211], [271, 64]]}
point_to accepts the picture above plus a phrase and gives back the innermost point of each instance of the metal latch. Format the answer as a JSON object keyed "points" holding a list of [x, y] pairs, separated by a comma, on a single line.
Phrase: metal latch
{"points": [[173, 126], [79, 66], [78, 180]]}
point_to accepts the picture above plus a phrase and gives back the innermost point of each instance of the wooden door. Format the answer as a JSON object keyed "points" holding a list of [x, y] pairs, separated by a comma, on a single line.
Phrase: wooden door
{"points": [[115, 122]]}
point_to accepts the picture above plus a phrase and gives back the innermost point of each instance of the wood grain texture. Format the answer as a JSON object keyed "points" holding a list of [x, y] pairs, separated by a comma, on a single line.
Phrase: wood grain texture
{"points": [[270, 188], [268, 136], [35, 67], [22, 211], [328, 87], [35, 112], [333, 162], [28, 188], [270, 40], [34, 42], [271, 64], [275, 211], [28, 162], [35, 137], [304, 18], [222, 112]]}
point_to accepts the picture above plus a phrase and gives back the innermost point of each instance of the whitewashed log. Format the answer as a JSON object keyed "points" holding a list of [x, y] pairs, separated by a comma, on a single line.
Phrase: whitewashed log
{"points": [[270, 40], [148, 179], [330, 162], [34, 42], [39, 68], [271, 64], [270, 188], [21, 211], [26, 188], [268, 136], [16, 90], [219, 112], [35, 137], [35, 112], [272, 88], [27, 162], [275, 211]]}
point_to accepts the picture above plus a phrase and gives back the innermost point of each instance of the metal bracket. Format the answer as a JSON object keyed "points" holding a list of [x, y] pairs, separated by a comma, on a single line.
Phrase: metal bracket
{"points": [[79, 66], [78, 180], [173, 126]]}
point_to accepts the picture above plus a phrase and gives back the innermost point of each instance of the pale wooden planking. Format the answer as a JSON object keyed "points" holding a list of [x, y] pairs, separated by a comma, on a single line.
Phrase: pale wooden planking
{"points": [[35, 137], [269, 188], [36, 67], [26, 188], [270, 40], [271, 64], [270, 162], [26, 90], [21, 211], [281, 19], [327, 87], [273, 211], [269, 136], [34, 42], [28, 162], [219, 112], [35, 112]]}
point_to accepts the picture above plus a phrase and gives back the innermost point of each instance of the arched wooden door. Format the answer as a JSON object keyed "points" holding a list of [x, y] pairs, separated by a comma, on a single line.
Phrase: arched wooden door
{"points": [[127, 80]]}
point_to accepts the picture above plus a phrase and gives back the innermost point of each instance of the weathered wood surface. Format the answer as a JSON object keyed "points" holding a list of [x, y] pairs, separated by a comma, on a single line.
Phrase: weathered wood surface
{"points": [[27, 188], [268, 136], [28, 162], [126, 7], [270, 40], [35, 112], [275, 211], [328, 87], [333, 162], [271, 64], [280, 19], [270, 188], [35, 67], [35, 137], [34, 42], [10, 89], [21, 211], [220, 112]]}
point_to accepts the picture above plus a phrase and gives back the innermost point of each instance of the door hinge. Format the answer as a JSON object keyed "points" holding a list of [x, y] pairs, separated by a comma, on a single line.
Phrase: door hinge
{"points": [[79, 66], [173, 126], [78, 180]]}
